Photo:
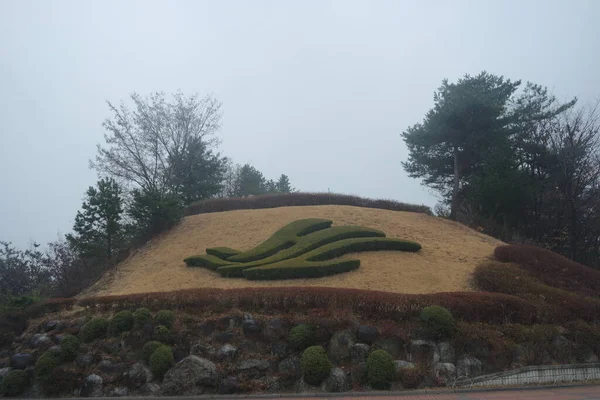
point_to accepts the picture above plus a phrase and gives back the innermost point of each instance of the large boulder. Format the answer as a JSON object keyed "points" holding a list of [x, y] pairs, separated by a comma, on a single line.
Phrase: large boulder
{"points": [[84, 360], [253, 368], [51, 325], [469, 366], [403, 364], [111, 368], [444, 373], [337, 381], [190, 376], [359, 373], [229, 385], [224, 337], [367, 334], [276, 329], [340, 345], [394, 345], [137, 376], [92, 386], [446, 351], [250, 326], [21, 360], [202, 349], [119, 392], [4, 372], [41, 341], [423, 352], [150, 389], [359, 352], [227, 352], [290, 367], [279, 349]]}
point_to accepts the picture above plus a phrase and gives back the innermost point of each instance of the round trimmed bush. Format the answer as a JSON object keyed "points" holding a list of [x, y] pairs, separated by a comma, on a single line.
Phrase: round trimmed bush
{"points": [[315, 365], [380, 369], [69, 347], [46, 364], [161, 333], [94, 329], [141, 317], [14, 383], [149, 348], [161, 360], [438, 321], [165, 318], [301, 336], [121, 322]]}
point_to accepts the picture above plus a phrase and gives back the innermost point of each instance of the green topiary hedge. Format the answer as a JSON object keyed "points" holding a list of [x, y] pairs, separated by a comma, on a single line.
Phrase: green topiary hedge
{"points": [[438, 321], [207, 261], [94, 329], [222, 252], [46, 364], [165, 318], [149, 348], [315, 365], [301, 336], [69, 347], [380, 369], [14, 383], [141, 317], [161, 333], [161, 360], [121, 322]]}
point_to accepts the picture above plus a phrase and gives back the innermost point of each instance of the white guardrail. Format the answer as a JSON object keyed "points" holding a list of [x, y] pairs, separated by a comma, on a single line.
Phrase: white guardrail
{"points": [[536, 375]]}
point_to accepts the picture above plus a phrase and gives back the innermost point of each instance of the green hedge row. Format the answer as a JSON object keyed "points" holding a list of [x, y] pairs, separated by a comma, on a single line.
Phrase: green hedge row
{"points": [[208, 261], [222, 252], [302, 269]]}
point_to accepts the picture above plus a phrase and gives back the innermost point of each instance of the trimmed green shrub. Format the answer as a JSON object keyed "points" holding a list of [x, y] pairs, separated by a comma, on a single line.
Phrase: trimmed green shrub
{"points": [[301, 336], [207, 261], [165, 318], [14, 383], [380, 369], [149, 348], [301, 269], [438, 321], [161, 333], [69, 347], [121, 322], [141, 317], [315, 365], [93, 329], [222, 252], [46, 364], [161, 360]]}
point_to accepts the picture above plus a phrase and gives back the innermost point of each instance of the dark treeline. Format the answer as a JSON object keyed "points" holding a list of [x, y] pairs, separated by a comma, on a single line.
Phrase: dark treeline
{"points": [[508, 158], [159, 156]]}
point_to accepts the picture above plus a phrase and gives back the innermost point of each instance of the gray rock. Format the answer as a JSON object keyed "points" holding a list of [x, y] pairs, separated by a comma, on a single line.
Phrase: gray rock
{"points": [[190, 376], [119, 392], [92, 386], [137, 376], [229, 322], [150, 389], [588, 356], [51, 325], [276, 329], [202, 349], [224, 337], [274, 384], [5, 353], [21, 360], [253, 368], [252, 346], [302, 387], [367, 333], [4, 372], [227, 352], [444, 373], [395, 346], [340, 345], [229, 385], [250, 326], [55, 349], [359, 352], [337, 381], [359, 373], [446, 351], [279, 349], [562, 342], [402, 364], [111, 368], [41, 341], [423, 352], [207, 328], [469, 366], [84, 360], [290, 367]]}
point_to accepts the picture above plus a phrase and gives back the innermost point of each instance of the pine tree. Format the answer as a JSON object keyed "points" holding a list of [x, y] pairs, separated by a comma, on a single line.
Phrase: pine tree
{"points": [[283, 184]]}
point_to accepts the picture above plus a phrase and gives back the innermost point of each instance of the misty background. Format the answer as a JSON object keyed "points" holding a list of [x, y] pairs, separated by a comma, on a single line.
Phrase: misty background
{"points": [[318, 90]]}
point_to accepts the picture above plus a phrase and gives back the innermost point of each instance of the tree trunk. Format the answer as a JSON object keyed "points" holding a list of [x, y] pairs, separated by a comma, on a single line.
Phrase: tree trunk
{"points": [[454, 203]]}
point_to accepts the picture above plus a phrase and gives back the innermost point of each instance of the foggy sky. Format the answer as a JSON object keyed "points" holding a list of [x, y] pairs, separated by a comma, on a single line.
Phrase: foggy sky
{"points": [[318, 90]]}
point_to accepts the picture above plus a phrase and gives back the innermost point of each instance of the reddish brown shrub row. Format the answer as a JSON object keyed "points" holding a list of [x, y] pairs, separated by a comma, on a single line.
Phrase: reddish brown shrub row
{"points": [[297, 199], [552, 269], [511, 279], [469, 306]]}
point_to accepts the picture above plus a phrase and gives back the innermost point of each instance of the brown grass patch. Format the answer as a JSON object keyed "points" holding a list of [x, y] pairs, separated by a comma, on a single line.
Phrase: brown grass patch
{"points": [[450, 252]]}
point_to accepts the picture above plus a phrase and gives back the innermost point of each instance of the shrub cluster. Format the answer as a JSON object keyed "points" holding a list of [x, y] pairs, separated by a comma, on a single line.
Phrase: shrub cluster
{"points": [[411, 378], [301, 336], [161, 333], [69, 347], [14, 383], [438, 322], [165, 318], [121, 322], [380, 369], [315, 365], [141, 317], [161, 360], [94, 329], [148, 349], [298, 199], [222, 252], [45, 364]]}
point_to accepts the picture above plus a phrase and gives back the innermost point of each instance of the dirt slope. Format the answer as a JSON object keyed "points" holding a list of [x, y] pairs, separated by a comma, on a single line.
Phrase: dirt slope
{"points": [[450, 252]]}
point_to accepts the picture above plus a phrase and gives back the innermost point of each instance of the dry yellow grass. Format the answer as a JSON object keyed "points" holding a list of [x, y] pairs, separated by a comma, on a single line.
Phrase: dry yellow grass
{"points": [[450, 252]]}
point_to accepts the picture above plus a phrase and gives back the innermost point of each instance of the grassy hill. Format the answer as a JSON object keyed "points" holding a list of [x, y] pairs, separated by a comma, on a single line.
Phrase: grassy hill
{"points": [[446, 262]]}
